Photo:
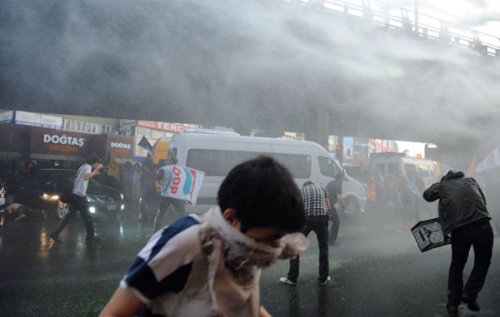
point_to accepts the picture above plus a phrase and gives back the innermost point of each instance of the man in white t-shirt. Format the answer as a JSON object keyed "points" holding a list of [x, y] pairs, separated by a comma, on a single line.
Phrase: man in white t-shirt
{"points": [[78, 199]]}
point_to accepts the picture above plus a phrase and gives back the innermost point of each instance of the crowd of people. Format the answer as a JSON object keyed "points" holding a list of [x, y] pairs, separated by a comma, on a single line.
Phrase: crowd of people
{"points": [[399, 193], [251, 217]]}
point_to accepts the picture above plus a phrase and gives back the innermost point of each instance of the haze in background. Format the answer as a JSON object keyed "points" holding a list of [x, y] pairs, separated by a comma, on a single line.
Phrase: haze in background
{"points": [[245, 64], [480, 15]]}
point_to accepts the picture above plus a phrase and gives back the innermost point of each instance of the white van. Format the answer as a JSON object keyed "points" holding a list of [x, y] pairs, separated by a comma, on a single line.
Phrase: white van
{"points": [[392, 163], [218, 152]]}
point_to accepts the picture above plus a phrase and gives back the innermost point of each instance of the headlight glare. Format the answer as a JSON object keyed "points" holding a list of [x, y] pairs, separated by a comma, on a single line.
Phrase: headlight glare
{"points": [[48, 197]]}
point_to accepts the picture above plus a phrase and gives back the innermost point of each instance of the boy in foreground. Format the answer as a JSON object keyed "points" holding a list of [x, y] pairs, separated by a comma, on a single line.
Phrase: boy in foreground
{"points": [[210, 265]]}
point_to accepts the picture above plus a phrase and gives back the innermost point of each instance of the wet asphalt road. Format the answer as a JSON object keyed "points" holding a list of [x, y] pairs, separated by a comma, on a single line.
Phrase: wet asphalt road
{"points": [[376, 268]]}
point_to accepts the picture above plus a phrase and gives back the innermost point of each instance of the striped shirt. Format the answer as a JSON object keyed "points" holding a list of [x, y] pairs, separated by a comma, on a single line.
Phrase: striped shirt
{"points": [[314, 200], [164, 268], [171, 276]]}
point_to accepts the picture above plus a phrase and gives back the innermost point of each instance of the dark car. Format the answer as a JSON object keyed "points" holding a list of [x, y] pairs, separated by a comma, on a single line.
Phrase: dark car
{"points": [[49, 189]]}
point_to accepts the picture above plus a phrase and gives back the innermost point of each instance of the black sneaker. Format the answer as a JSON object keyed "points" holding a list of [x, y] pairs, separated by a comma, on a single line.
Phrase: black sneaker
{"points": [[452, 311], [471, 303]]}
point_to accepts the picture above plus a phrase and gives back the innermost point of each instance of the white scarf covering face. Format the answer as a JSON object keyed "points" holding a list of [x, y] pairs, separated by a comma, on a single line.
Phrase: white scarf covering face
{"points": [[234, 260]]}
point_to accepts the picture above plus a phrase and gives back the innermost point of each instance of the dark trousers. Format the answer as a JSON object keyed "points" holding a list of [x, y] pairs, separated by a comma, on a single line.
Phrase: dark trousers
{"points": [[320, 226], [165, 203], [480, 237], [77, 203], [334, 229]]}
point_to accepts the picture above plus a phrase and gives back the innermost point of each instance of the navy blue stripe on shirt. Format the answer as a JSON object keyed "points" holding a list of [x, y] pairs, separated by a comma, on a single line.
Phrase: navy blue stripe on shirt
{"points": [[144, 280], [171, 231], [141, 277]]}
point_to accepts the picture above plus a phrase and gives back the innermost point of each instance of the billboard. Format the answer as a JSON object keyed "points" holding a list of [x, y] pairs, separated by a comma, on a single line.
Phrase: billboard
{"points": [[6, 117], [53, 142], [120, 146]]}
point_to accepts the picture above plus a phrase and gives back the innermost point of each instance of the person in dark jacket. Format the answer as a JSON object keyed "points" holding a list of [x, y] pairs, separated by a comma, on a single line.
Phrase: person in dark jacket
{"points": [[334, 190], [463, 214]]}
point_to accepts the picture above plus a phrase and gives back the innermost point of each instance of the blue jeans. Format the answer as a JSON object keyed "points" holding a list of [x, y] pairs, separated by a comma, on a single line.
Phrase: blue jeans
{"points": [[479, 235], [319, 225]]}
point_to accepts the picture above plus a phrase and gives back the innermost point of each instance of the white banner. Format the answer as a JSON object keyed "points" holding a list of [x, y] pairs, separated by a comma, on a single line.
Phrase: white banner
{"points": [[185, 183], [38, 120], [6, 116]]}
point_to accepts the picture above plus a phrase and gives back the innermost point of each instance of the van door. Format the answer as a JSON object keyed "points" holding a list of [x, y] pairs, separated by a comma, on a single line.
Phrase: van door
{"points": [[327, 169]]}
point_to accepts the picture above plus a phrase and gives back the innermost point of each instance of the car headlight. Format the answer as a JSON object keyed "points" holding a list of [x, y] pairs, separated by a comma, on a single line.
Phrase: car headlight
{"points": [[122, 197], [48, 197], [92, 210], [90, 199]]}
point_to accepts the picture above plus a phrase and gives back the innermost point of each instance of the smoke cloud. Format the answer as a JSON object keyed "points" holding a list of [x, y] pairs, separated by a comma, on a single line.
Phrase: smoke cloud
{"points": [[245, 64]]}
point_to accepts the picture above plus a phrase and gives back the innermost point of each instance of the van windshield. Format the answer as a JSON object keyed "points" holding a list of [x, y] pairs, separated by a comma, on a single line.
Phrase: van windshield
{"points": [[327, 167]]}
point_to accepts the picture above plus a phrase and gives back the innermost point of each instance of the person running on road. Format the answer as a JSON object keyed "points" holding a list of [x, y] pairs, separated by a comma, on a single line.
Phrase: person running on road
{"points": [[78, 199], [463, 214]]}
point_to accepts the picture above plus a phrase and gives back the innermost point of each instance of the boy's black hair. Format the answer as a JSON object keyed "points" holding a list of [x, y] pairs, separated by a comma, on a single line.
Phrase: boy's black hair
{"points": [[264, 194]]}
